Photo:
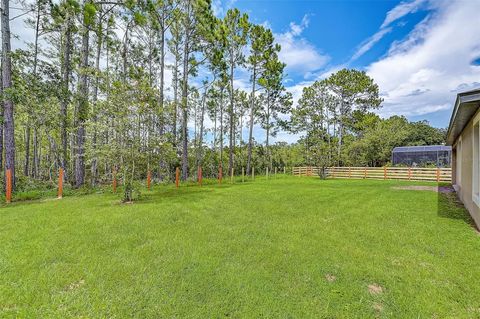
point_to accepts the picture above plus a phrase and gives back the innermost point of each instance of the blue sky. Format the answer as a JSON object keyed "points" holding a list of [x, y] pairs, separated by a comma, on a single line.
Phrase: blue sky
{"points": [[420, 52]]}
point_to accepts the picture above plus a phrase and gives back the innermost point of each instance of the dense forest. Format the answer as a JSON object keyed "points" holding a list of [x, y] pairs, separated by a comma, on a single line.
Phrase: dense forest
{"points": [[132, 86]]}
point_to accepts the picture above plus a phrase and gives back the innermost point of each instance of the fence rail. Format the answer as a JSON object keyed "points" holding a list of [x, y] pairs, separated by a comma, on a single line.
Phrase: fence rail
{"points": [[402, 173]]}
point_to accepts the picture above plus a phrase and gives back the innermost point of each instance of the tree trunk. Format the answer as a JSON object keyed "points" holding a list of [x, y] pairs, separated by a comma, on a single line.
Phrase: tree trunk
{"points": [[162, 79], [175, 98], [94, 102], [26, 169], [267, 149], [252, 114], [200, 135], [35, 154], [125, 53], [340, 131], [215, 129], [65, 96], [161, 115], [185, 100], [221, 127], [9, 127], [329, 158], [82, 110], [232, 121], [1, 116]]}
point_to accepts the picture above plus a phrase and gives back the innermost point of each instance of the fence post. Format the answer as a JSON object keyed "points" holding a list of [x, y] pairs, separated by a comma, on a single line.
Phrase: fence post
{"points": [[60, 183], [384, 172], [267, 172], [365, 173], [284, 171], [275, 172], [200, 175], [177, 177], [243, 175], [409, 173], [231, 175], [349, 172], [333, 172], [149, 179], [8, 195], [253, 173], [438, 174], [220, 174], [114, 182]]}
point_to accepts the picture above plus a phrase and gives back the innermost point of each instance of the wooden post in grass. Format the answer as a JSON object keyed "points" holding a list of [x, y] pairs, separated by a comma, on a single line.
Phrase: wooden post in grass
{"points": [[284, 171], [220, 174], [243, 175], [409, 173], [177, 177], [114, 181], [231, 176], [384, 172], [8, 194], [200, 176], [60, 183], [253, 173], [365, 173], [349, 172], [267, 172], [275, 172], [149, 179], [438, 174]]}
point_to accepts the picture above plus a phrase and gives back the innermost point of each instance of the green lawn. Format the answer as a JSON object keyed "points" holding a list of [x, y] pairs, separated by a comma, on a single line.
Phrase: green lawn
{"points": [[289, 248]]}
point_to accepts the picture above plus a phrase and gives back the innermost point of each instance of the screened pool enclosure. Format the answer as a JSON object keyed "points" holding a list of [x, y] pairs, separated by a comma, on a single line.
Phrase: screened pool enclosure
{"points": [[422, 156]]}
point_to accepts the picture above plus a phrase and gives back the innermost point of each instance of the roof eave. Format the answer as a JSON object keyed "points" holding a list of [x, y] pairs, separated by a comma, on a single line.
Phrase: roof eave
{"points": [[466, 105]]}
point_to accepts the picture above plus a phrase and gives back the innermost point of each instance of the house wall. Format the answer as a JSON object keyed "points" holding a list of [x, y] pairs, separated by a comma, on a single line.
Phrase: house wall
{"points": [[463, 183]]}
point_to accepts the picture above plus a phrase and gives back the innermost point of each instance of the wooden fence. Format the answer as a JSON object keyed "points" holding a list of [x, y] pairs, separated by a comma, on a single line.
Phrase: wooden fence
{"points": [[403, 173]]}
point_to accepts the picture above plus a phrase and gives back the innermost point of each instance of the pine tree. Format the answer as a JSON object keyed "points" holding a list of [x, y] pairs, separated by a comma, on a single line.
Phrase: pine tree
{"points": [[235, 34]]}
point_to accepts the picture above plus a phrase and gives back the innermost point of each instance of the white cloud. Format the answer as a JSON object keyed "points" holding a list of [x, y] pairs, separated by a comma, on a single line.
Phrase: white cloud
{"points": [[285, 137], [266, 24], [401, 10], [422, 73], [21, 34], [297, 52], [220, 7], [297, 89], [398, 12], [416, 36], [370, 42]]}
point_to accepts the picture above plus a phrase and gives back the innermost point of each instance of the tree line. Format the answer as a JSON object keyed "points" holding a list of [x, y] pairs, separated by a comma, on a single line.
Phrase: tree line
{"points": [[122, 87], [340, 128]]}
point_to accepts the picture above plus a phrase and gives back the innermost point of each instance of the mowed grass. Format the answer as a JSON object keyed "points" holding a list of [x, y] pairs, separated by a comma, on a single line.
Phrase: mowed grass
{"points": [[287, 248]]}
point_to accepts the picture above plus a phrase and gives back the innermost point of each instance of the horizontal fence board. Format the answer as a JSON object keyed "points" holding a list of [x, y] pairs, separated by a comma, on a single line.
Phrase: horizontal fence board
{"points": [[400, 173]]}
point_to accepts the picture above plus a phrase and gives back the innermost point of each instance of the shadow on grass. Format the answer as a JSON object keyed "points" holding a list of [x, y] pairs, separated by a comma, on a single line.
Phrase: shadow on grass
{"points": [[450, 206]]}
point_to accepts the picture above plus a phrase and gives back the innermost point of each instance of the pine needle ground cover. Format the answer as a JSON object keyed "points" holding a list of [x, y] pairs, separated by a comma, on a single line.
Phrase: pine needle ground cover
{"points": [[285, 247]]}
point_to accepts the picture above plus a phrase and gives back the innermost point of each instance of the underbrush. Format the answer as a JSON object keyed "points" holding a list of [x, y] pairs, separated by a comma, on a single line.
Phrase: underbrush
{"points": [[32, 189]]}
